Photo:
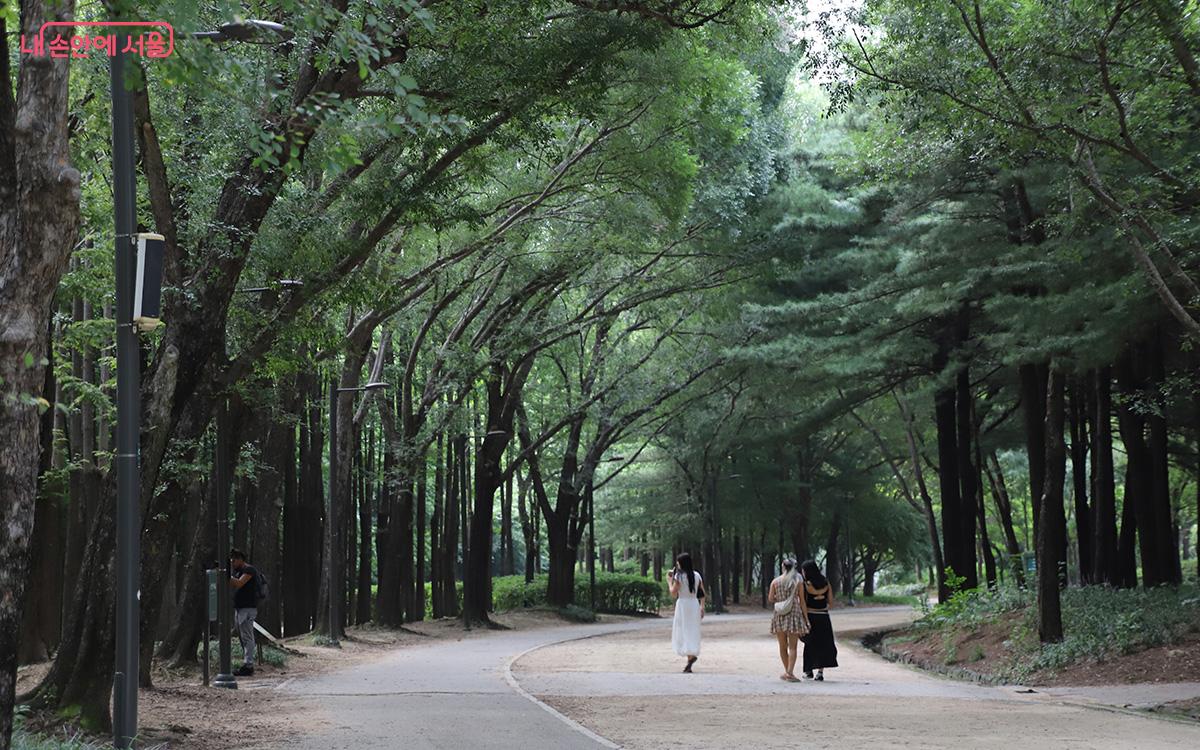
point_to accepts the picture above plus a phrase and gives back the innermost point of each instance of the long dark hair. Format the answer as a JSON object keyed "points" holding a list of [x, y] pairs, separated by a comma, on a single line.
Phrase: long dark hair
{"points": [[813, 574], [684, 561]]}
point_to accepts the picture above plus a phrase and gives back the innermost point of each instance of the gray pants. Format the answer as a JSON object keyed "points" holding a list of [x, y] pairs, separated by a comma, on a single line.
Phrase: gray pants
{"points": [[244, 620]]}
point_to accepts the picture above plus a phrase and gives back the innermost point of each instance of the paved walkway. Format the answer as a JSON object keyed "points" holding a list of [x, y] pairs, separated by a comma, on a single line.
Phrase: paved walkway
{"points": [[446, 694], [627, 688], [620, 680]]}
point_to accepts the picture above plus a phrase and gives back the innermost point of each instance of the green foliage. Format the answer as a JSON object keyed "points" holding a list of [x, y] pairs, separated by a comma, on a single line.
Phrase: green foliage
{"points": [[972, 607], [1102, 622], [576, 613], [1099, 623], [270, 654], [896, 599], [512, 592], [616, 593], [67, 738]]}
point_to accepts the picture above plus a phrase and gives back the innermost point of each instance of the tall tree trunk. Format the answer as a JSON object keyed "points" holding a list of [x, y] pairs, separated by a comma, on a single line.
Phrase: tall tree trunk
{"points": [[1053, 521], [450, 532], [43, 606], [265, 546], [422, 506], [1161, 517], [313, 513], [914, 457], [833, 560], [560, 590], [179, 646], [1139, 471], [870, 568], [39, 215], [362, 612], [968, 476], [1033, 406], [528, 532], [736, 567], [437, 531], [1079, 477], [1004, 509], [1105, 560], [948, 481], [503, 395]]}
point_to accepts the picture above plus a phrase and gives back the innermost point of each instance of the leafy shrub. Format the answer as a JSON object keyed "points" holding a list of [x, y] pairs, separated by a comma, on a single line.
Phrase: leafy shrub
{"points": [[1098, 623], [458, 590], [616, 593], [622, 594], [512, 592], [910, 600], [900, 589], [575, 613]]}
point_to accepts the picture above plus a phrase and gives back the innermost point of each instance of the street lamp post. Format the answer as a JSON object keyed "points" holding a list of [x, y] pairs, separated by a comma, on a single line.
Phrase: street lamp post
{"points": [[125, 675], [128, 512], [332, 519]]}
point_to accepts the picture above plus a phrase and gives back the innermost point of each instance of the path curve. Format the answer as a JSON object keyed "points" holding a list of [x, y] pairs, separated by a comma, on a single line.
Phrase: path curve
{"points": [[444, 694]]}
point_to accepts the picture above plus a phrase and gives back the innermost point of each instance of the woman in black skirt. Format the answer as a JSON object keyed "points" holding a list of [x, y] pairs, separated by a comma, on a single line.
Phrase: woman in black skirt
{"points": [[819, 649]]}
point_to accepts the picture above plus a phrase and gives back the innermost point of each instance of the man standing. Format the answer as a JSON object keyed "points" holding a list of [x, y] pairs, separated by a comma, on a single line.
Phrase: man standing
{"points": [[244, 579]]}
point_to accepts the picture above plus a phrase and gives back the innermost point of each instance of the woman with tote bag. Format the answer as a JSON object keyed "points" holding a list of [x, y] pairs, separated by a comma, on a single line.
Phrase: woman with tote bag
{"points": [[789, 622]]}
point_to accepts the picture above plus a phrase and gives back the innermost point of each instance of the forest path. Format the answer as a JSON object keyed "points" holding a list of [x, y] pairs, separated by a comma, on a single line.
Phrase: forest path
{"points": [[627, 687], [442, 694]]}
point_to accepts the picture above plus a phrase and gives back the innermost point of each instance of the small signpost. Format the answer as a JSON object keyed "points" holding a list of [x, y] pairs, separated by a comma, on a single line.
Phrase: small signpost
{"points": [[212, 576]]}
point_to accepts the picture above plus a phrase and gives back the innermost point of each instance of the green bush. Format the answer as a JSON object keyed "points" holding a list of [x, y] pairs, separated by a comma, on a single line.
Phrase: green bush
{"points": [[429, 598], [905, 599], [901, 589], [1098, 622], [616, 593], [512, 592], [575, 613]]}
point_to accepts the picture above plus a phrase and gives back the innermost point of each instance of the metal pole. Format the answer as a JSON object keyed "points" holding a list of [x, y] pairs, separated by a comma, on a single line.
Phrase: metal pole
{"points": [[207, 638], [331, 519], [850, 547], [125, 675], [591, 501], [463, 508], [221, 460]]}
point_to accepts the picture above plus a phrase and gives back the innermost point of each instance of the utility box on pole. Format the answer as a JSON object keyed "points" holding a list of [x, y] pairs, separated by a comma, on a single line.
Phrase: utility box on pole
{"points": [[147, 292]]}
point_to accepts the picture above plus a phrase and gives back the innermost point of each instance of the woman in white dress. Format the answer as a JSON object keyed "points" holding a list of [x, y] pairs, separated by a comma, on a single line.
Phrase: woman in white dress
{"points": [[687, 587]]}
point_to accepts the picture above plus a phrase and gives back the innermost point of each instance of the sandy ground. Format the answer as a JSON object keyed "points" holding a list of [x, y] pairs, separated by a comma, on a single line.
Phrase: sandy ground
{"points": [[627, 688]]}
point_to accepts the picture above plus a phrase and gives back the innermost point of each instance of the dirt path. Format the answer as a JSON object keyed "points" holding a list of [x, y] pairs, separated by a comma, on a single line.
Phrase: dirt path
{"points": [[627, 688]]}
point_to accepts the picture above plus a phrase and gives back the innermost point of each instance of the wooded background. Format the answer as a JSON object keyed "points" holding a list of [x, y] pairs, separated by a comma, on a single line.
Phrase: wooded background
{"points": [[906, 287]]}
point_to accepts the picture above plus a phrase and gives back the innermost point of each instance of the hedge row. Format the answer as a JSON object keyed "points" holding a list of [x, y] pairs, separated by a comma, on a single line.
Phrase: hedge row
{"points": [[616, 593]]}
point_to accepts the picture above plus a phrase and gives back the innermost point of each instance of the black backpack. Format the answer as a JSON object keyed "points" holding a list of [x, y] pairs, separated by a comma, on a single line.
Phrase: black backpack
{"points": [[262, 586]]}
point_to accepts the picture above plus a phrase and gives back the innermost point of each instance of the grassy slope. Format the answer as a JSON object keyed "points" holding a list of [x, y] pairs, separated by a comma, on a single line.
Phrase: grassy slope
{"points": [[994, 635]]}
